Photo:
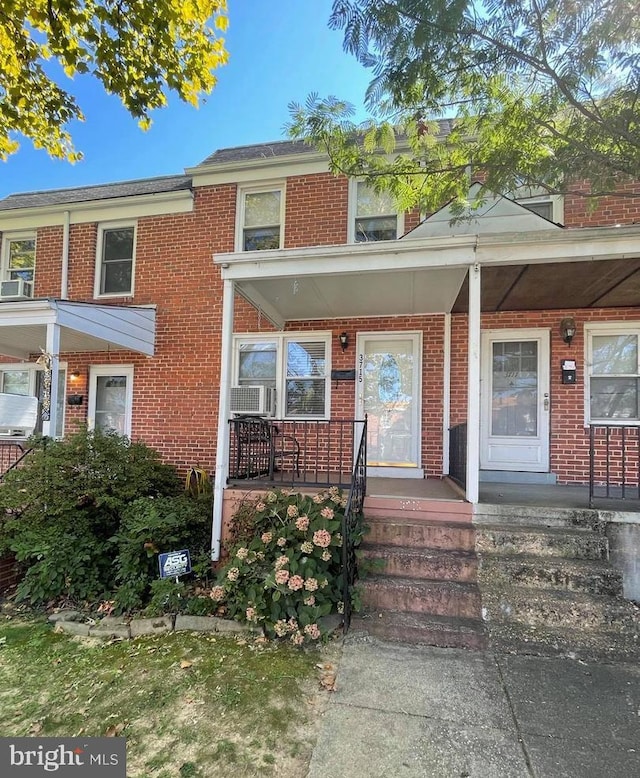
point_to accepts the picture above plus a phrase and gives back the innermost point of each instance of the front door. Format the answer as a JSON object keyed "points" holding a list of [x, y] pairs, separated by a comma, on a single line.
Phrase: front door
{"points": [[388, 391], [515, 400]]}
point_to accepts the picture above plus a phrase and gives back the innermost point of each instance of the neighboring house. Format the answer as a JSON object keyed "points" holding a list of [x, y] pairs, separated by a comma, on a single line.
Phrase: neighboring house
{"points": [[490, 347]]}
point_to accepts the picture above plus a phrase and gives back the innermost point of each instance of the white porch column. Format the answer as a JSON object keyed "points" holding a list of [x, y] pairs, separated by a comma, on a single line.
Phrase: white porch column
{"points": [[473, 387], [446, 392], [52, 361], [222, 449]]}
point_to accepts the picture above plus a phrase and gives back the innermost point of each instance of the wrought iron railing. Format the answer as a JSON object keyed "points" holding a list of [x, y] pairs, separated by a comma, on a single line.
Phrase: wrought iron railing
{"points": [[292, 453], [352, 524], [458, 454], [12, 454], [614, 462]]}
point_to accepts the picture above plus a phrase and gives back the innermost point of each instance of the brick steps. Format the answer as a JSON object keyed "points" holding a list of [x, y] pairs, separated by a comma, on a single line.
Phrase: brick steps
{"points": [[412, 533], [440, 598], [423, 563], [430, 510]]}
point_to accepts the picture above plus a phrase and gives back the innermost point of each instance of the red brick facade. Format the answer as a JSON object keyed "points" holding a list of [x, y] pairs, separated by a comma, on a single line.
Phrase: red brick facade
{"points": [[176, 391]]}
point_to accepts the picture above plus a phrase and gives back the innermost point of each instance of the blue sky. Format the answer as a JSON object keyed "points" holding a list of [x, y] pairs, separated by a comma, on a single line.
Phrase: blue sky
{"points": [[278, 52]]}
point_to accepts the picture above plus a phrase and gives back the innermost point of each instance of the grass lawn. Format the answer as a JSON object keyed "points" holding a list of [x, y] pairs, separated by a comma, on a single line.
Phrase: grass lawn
{"points": [[189, 705]]}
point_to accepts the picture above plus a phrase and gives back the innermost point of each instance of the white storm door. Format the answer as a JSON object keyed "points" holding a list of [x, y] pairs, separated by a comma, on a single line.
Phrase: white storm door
{"points": [[515, 401], [388, 391]]}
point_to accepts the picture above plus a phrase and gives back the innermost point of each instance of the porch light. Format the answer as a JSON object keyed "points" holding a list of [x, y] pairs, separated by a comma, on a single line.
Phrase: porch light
{"points": [[344, 340], [75, 375], [568, 329]]}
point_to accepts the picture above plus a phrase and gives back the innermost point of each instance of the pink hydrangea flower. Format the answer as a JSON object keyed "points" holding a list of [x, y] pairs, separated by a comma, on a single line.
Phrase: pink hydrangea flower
{"points": [[292, 511], [318, 498], [260, 507], [242, 553], [252, 614], [281, 561], [302, 523], [233, 574], [326, 513], [322, 538], [281, 628], [313, 631], [310, 600], [266, 537], [311, 584], [217, 593], [282, 576], [295, 583], [297, 639], [271, 497], [281, 542], [326, 556], [307, 547]]}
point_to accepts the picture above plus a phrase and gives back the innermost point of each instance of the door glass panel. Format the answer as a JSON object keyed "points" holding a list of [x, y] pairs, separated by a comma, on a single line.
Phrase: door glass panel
{"points": [[514, 389], [388, 393], [111, 403]]}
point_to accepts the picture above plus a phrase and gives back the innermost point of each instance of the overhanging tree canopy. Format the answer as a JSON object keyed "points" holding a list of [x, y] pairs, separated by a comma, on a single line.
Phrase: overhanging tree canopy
{"points": [[540, 93], [138, 51]]}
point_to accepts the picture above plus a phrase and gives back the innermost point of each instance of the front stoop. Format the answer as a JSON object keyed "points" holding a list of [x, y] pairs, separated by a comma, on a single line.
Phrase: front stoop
{"points": [[548, 588], [422, 588]]}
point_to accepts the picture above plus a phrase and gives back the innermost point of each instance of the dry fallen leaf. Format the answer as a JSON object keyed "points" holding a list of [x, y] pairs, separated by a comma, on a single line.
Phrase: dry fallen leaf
{"points": [[35, 728], [328, 682], [114, 730], [185, 664]]}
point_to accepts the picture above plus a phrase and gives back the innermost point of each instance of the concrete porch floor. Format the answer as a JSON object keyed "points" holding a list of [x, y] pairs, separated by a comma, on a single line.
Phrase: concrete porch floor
{"points": [[541, 495]]}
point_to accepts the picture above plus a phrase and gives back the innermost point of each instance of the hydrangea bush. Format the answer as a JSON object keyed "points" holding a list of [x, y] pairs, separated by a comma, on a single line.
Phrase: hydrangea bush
{"points": [[288, 573]]}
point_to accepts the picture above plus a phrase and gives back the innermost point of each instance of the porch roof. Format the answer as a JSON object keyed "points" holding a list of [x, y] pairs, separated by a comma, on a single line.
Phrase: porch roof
{"points": [[554, 268], [83, 327]]}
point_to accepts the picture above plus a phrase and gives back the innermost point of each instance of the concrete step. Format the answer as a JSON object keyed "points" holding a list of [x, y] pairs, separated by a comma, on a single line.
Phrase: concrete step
{"points": [[551, 608], [419, 509], [541, 541], [424, 563], [577, 575], [421, 629], [530, 516], [405, 531], [587, 645], [440, 598]]}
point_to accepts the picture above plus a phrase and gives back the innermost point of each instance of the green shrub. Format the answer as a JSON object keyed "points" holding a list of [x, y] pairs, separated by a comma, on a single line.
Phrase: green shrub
{"points": [[288, 574], [62, 507]]}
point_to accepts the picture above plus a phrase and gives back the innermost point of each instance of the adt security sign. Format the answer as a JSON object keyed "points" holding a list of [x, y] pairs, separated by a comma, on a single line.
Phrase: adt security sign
{"points": [[175, 563]]}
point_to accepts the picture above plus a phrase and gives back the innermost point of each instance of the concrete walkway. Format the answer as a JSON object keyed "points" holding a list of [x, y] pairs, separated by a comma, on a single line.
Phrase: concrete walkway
{"points": [[446, 713]]}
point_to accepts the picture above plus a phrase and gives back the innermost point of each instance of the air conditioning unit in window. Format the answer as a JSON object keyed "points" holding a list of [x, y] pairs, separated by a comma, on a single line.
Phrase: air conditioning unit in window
{"points": [[16, 289], [253, 400]]}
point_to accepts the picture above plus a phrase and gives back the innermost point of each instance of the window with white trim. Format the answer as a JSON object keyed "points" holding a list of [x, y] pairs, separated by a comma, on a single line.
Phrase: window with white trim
{"points": [[260, 218], [613, 374], [374, 215], [115, 259], [297, 367], [19, 258], [28, 380], [111, 398]]}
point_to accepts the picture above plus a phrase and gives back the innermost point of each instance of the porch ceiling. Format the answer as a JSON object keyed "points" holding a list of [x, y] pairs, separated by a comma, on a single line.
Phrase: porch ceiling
{"points": [[83, 327], [556, 285]]}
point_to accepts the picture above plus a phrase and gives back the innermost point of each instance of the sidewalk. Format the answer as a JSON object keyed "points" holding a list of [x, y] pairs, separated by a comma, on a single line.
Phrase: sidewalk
{"points": [[410, 712]]}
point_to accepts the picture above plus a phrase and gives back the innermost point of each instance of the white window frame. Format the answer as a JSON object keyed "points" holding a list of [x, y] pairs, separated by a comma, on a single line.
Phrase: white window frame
{"points": [[243, 191], [106, 227], [607, 328], [281, 340], [33, 369], [7, 239], [352, 213], [110, 370]]}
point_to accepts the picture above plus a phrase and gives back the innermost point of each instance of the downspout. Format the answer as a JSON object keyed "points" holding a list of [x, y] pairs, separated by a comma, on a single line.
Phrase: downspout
{"points": [[446, 393], [64, 283], [222, 450]]}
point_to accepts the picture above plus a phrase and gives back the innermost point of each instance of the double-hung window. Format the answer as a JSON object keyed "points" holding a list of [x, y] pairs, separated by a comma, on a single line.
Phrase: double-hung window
{"points": [[18, 264], [614, 373], [260, 223], [115, 261], [297, 367], [373, 215]]}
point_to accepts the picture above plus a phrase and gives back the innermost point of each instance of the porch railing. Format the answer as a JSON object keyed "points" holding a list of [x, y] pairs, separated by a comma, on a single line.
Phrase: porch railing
{"points": [[352, 524], [614, 462], [293, 453], [458, 454], [12, 454]]}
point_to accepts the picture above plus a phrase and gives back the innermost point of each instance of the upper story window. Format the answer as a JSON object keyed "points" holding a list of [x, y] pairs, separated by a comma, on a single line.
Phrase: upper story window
{"points": [[18, 264], [613, 373], [115, 260], [261, 222], [297, 367], [548, 206], [373, 215]]}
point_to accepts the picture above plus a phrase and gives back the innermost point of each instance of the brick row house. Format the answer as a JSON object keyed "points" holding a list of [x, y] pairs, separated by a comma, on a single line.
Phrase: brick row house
{"points": [[500, 353]]}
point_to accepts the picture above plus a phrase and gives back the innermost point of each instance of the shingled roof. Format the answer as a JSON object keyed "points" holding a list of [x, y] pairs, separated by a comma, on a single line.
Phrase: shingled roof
{"points": [[142, 186]]}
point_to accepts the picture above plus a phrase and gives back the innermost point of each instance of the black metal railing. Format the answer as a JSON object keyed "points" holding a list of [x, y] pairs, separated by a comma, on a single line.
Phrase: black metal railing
{"points": [[352, 522], [614, 462], [12, 454], [458, 454], [292, 453]]}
